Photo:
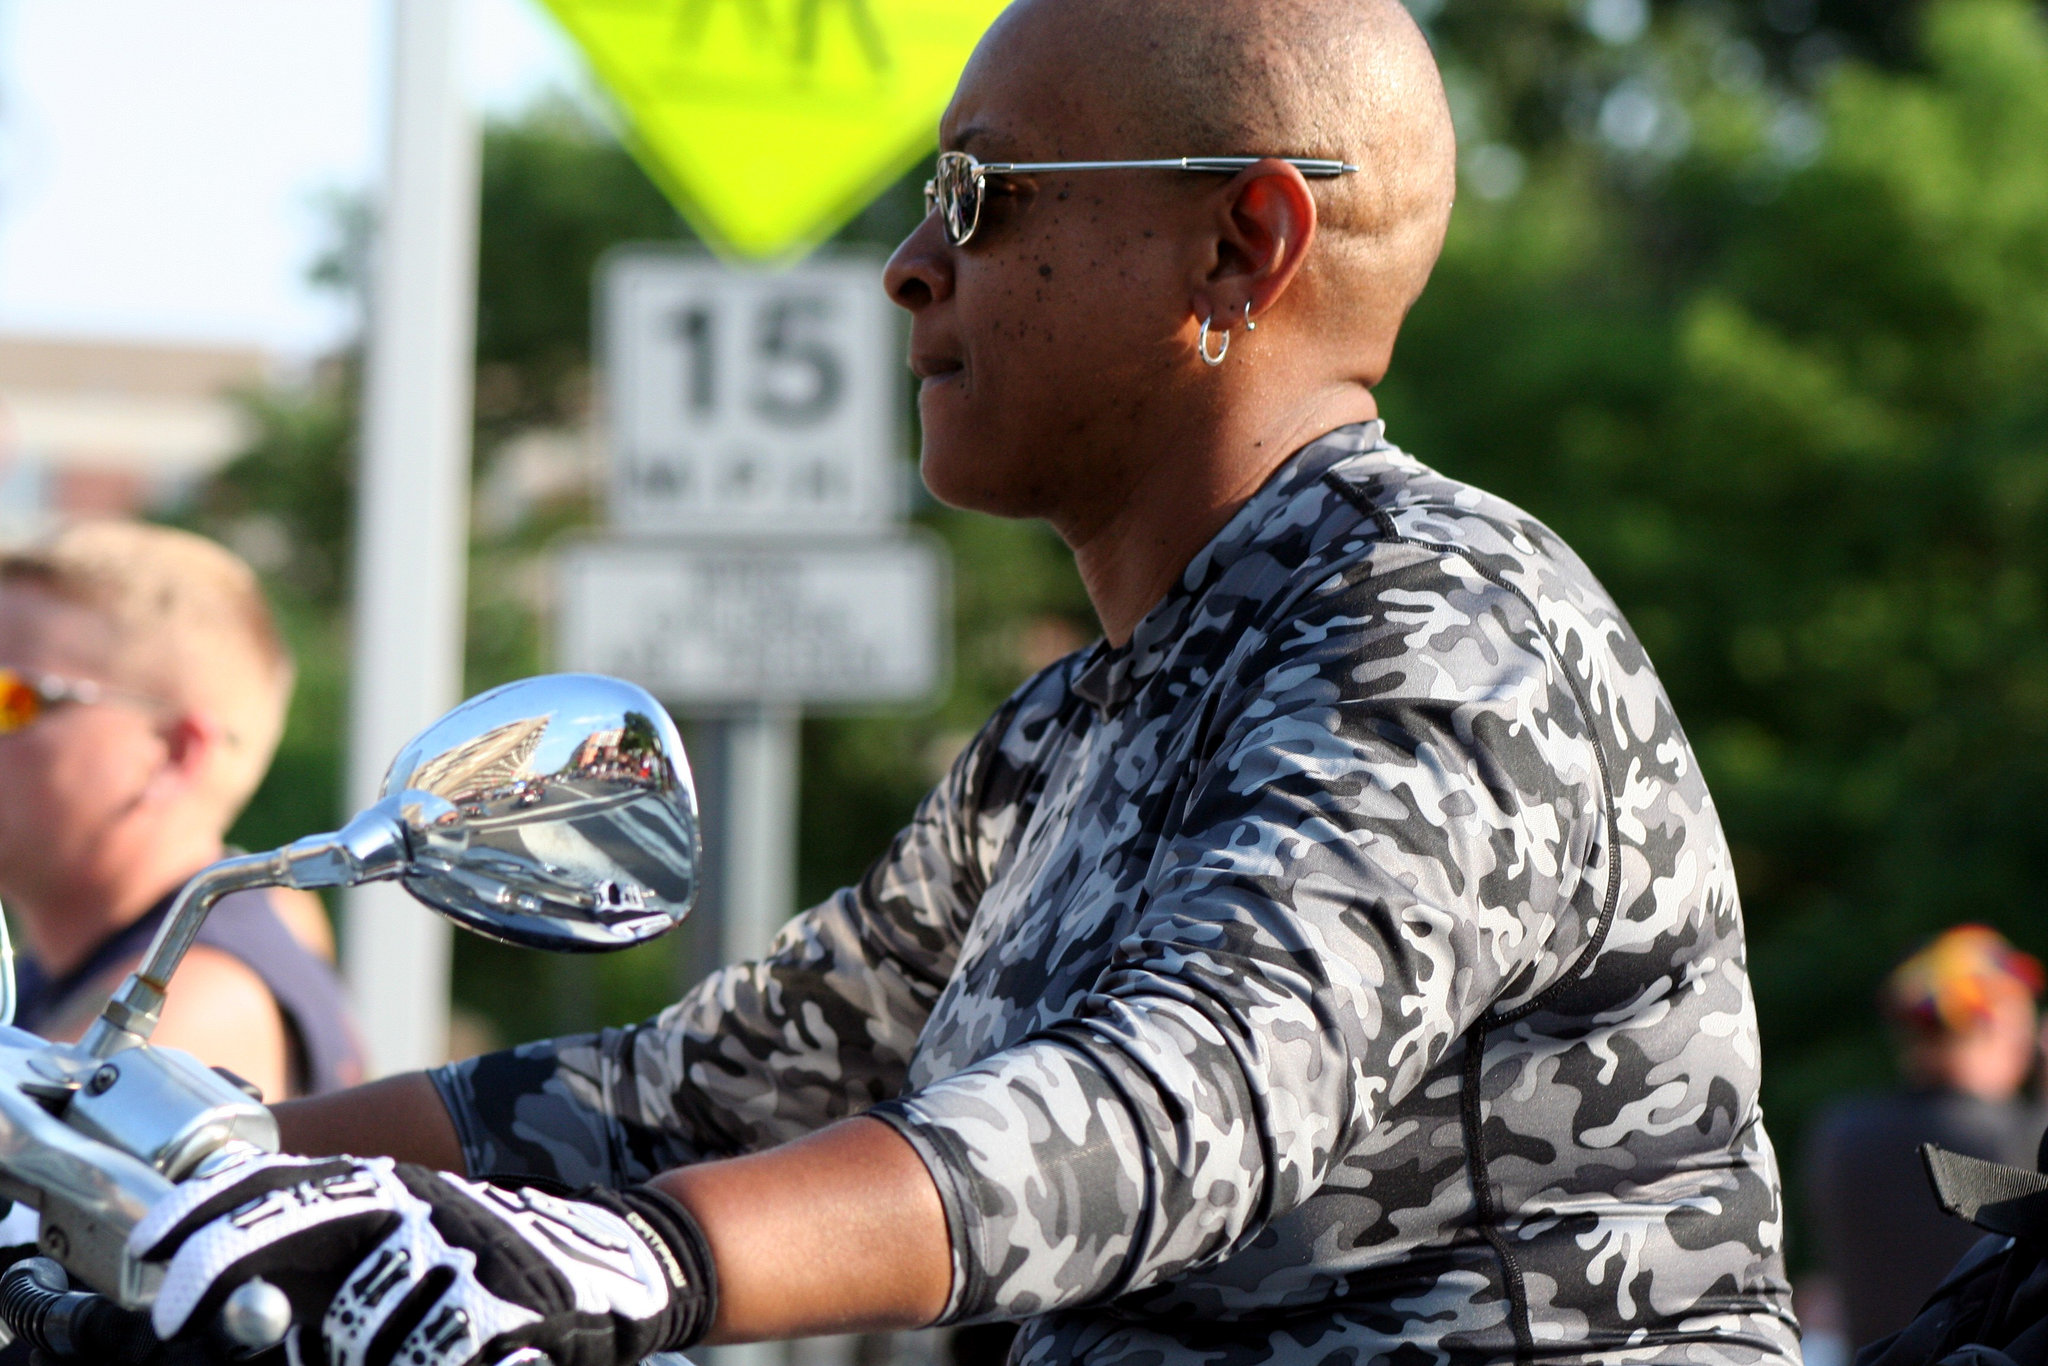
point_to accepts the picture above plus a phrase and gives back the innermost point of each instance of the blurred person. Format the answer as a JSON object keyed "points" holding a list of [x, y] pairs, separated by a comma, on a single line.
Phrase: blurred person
{"points": [[305, 915], [1963, 1009], [1338, 961], [143, 688]]}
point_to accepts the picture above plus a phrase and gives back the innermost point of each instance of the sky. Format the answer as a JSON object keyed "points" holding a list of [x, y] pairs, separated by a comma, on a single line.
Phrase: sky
{"points": [[164, 166]]}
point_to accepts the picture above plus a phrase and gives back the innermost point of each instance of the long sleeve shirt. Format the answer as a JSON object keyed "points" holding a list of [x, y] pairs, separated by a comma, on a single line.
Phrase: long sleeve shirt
{"points": [[1347, 967]]}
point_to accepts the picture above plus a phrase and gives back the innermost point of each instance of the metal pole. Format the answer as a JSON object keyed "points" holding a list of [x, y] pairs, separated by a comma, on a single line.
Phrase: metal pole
{"points": [[759, 843], [747, 779], [412, 509]]}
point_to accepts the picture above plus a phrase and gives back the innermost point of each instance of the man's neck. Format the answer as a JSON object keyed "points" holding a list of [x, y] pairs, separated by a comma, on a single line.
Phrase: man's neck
{"points": [[1177, 501], [63, 923]]}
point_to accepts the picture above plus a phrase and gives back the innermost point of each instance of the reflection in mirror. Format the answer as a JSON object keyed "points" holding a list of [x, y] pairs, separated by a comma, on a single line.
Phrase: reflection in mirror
{"points": [[555, 812]]}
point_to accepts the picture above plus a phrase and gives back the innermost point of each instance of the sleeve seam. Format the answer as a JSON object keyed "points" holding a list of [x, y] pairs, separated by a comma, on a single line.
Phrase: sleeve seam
{"points": [[466, 1137], [961, 1239]]}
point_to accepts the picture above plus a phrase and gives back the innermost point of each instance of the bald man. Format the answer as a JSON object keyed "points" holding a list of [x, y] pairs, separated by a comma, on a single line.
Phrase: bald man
{"points": [[1340, 961]]}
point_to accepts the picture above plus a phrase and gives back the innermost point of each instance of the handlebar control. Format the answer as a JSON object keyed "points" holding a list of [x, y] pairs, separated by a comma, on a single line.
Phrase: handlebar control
{"points": [[256, 1316]]}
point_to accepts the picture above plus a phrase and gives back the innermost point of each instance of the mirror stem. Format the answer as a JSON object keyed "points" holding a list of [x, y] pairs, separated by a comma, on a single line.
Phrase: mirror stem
{"points": [[132, 1014], [369, 847]]}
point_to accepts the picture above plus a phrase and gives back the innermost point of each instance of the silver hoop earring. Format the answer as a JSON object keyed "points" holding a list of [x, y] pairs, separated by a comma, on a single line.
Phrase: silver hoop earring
{"points": [[1202, 345], [1249, 325]]}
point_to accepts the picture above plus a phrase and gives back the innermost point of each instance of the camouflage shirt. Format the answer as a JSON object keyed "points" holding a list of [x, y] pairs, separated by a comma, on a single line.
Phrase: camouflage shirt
{"points": [[1347, 968]]}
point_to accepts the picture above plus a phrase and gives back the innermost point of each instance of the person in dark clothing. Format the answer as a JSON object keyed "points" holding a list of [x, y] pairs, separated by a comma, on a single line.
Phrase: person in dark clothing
{"points": [[323, 1052], [1964, 1009], [142, 692]]}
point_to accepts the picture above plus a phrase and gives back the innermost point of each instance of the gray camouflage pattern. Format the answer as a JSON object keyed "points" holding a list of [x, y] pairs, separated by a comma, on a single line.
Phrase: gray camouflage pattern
{"points": [[1349, 968]]}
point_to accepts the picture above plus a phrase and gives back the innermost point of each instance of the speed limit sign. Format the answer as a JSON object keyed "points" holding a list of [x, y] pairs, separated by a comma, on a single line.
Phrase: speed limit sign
{"points": [[745, 403]]}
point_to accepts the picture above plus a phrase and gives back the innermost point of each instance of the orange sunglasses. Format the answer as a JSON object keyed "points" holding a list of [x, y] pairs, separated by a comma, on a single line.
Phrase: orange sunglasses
{"points": [[24, 697]]}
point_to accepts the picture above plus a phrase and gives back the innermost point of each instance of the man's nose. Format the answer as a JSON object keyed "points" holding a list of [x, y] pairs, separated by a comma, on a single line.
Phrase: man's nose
{"points": [[921, 271]]}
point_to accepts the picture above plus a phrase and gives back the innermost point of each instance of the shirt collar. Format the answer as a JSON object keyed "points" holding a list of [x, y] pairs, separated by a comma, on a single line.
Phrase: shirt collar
{"points": [[1110, 674]]}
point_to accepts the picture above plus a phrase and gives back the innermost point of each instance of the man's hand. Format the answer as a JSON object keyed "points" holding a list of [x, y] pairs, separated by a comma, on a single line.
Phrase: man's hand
{"points": [[392, 1263]]}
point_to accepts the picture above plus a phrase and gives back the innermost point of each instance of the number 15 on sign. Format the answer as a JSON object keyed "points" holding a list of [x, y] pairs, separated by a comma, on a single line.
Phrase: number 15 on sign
{"points": [[747, 403]]}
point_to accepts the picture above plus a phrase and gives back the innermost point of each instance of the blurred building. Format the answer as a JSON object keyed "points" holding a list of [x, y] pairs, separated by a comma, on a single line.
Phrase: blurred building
{"points": [[493, 761], [110, 428]]}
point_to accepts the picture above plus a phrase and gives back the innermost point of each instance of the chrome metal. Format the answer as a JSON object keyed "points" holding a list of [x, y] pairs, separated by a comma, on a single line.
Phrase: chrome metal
{"points": [[371, 846], [1249, 325], [89, 1195], [167, 1108], [1312, 167], [1202, 344], [555, 812], [943, 192], [256, 1316]]}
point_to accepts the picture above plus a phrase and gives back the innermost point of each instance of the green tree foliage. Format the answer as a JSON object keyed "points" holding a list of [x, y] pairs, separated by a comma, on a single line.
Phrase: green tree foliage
{"points": [[1793, 411], [284, 503], [556, 195]]}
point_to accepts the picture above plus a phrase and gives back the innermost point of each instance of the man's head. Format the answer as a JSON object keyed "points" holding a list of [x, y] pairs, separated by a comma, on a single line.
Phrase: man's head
{"points": [[1064, 332], [1964, 1009], [175, 633]]}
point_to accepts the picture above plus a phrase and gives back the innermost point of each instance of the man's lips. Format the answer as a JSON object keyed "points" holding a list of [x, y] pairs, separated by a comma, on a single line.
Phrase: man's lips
{"points": [[929, 368]]}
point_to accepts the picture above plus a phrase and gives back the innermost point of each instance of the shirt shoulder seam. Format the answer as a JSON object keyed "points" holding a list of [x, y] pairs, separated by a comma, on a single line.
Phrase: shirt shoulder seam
{"points": [[1582, 961]]}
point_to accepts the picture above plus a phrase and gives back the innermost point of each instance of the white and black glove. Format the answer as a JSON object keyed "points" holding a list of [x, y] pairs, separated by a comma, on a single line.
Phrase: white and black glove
{"points": [[399, 1265]]}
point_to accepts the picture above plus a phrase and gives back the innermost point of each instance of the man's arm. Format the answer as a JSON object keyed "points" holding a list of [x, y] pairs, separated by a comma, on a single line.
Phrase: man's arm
{"points": [[761, 1053], [399, 1117], [840, 1232]]}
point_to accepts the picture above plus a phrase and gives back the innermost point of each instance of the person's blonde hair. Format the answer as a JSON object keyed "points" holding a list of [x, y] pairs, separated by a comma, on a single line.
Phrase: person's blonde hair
{"points": [[187, 623]]}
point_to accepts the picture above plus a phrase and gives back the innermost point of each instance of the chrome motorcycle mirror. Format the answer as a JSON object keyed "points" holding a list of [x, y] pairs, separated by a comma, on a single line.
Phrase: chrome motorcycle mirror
{"points": [[555, 812]]}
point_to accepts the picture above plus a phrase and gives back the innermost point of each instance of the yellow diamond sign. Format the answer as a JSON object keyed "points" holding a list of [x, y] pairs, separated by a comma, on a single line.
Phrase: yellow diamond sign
{"points": [[771, 122]]}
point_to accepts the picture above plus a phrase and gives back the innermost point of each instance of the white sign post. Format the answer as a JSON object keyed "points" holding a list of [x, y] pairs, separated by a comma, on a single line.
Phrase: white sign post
{"points": [[758, 562], [412, 512]]}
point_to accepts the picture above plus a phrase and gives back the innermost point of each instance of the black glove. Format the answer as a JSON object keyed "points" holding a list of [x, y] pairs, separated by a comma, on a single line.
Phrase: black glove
{"points": [[397, 1263]]}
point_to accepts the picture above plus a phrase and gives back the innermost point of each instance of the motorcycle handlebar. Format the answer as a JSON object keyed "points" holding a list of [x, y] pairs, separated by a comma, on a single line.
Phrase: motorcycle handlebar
{"points": [[39, 1305]]}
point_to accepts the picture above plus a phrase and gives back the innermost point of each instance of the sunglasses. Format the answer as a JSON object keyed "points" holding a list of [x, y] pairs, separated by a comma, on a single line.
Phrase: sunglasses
{"points": [[959, 187], [25, 697]]}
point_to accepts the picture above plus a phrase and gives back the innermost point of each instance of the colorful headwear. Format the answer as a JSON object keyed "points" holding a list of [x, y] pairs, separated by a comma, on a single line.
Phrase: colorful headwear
{"points": [[1950, 985]]}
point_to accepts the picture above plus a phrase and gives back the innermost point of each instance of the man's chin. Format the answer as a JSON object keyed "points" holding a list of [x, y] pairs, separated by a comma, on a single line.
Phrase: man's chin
{"points": [[961, 476]]}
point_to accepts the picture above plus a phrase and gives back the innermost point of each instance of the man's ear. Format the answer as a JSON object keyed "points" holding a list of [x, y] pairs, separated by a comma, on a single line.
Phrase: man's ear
{"points": [[1265, 223], [192, 740]]}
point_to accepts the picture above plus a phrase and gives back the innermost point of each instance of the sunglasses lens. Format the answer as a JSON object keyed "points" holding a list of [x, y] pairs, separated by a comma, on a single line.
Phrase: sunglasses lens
{"points": [[19, 702], [957, 188]]}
